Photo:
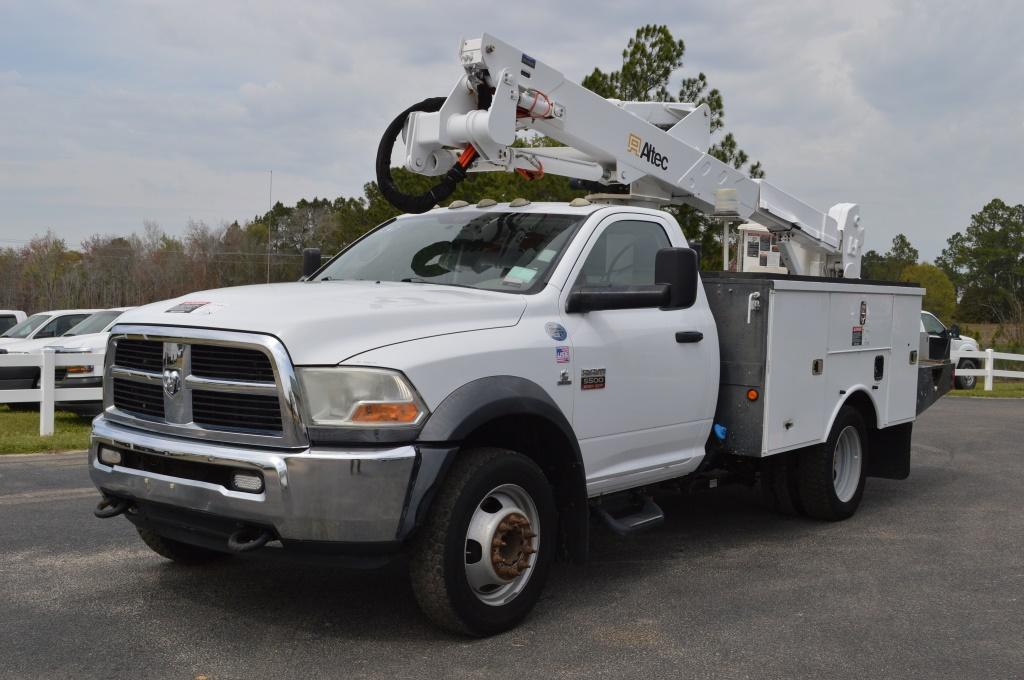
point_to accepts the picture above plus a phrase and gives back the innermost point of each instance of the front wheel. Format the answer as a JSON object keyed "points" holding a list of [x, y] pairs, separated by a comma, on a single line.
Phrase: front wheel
{"points": [[481, 558], [831, 475], [966, 382]]}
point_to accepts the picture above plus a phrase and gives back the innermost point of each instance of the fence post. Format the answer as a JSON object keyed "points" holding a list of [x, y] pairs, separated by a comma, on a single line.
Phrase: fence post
{"points": [[46, 380], [989, 367]]}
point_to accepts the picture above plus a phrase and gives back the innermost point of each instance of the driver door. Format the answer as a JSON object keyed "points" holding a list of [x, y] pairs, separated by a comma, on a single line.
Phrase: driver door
{"points": [[644, 401]]}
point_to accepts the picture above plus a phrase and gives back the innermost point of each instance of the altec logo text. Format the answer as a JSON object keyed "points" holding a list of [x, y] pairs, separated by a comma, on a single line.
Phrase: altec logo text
{"points": [[646, 150]]}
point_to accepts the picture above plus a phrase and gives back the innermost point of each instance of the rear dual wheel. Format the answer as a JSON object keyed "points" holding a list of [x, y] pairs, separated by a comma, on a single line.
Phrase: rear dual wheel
{"points": [[831, 476], [482, 557], [825, 481]]}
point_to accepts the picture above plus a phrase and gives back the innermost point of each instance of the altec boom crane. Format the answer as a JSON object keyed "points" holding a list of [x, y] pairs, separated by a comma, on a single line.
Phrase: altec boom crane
{"points": [[658, 149]]}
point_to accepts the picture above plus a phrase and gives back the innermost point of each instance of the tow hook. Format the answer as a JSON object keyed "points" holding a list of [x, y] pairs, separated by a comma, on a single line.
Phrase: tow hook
{"points": [[111, 507], [248, 538]]}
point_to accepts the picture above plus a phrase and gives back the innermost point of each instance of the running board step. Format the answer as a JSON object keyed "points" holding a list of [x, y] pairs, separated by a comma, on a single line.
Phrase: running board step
{"points": [[647, 517]]}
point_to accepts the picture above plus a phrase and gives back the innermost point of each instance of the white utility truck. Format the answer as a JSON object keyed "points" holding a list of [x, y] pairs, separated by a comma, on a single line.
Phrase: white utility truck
{"points": [[472, 385]]}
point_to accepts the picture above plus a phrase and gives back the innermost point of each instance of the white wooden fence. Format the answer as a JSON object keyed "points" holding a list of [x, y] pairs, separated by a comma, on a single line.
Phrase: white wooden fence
{"points": [[989, 371], [46, 394]]}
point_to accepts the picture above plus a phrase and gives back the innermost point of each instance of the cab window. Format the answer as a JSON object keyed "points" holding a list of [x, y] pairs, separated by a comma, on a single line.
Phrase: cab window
{"points": [[932, 326], [624, 255]]}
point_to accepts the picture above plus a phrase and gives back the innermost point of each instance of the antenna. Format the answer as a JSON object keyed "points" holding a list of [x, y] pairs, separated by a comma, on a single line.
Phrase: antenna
{"points": [[270, 220]]}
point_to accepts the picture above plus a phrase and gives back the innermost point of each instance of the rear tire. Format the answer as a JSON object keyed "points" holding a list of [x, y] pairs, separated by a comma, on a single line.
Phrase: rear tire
{"points": [[831, 475], [182, 553], [481, 558], [780, 484], [967, 382]]}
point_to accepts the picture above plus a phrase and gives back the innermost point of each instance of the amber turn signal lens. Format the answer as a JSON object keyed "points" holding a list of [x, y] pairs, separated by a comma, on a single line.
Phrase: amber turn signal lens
{"points": [[79, 369], [752, 395], [400, 412]]}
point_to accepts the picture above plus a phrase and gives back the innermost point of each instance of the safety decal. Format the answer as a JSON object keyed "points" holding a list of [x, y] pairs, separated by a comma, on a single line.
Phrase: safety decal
{"points": [[857, 336], [562, 355], [556, 331], [863, 312], [592, 379]]}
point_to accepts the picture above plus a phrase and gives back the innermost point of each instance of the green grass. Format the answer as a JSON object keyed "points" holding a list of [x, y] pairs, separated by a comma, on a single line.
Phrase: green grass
{"points": [[999, 389], [19, 432]]}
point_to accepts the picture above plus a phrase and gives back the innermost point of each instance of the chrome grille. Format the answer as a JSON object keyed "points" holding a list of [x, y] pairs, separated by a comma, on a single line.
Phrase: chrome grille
{"points": [[213, 385]]}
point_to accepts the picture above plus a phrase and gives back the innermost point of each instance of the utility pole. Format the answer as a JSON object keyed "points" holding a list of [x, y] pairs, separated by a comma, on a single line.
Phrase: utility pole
{"points": [[270, 220]]}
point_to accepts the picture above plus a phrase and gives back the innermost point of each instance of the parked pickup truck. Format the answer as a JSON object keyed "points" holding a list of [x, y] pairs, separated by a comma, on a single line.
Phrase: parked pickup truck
{"points": [[471, 386], [10, 318], [88, 336], [936, 330]]}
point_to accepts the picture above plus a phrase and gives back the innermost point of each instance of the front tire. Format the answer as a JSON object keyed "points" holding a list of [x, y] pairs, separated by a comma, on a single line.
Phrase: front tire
{"points": [[480, 560], [967, 382], [831, 475]]}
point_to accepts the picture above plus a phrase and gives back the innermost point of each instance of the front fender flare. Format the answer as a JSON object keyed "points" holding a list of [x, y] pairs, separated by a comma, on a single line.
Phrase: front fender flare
{"points": [[475, 404]]}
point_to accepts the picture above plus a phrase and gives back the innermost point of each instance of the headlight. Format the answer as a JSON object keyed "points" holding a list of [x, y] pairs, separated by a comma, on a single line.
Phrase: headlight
{"points": [[360, 397]]}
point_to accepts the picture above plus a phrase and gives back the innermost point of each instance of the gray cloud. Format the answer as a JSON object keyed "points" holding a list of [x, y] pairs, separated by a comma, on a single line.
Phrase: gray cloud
{"points": [[129, 111]]}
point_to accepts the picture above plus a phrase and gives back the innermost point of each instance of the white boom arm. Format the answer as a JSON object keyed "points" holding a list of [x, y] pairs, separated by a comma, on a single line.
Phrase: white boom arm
{"points": [[659, 149]]}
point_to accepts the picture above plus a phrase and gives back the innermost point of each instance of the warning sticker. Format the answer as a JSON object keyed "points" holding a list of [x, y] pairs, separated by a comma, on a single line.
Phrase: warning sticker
{"points": [[857, 337]]}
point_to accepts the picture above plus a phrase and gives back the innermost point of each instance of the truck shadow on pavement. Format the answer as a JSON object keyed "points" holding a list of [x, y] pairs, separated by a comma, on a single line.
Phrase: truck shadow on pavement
{"points": [[722, 534]]}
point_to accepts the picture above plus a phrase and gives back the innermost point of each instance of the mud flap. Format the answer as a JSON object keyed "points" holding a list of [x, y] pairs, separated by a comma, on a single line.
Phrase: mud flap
{"points": [[889, 452]]}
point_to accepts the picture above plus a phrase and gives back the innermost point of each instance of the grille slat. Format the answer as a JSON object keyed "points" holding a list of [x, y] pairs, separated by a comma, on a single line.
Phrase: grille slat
{"points": [[143, 355], [236, 411], [231, 363], [140, 398]]}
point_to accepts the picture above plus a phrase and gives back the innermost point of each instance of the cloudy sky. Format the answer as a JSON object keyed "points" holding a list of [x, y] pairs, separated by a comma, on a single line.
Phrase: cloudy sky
{"points": [[112, 113]]}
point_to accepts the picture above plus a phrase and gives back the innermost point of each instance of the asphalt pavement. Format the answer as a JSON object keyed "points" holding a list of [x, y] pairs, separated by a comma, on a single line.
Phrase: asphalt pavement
{"points": [[926, 581]]}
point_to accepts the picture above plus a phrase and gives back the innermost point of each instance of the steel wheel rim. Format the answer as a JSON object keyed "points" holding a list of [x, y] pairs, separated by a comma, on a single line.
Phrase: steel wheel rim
{"points": [[969, 380], [501, 544], [847, 459]]}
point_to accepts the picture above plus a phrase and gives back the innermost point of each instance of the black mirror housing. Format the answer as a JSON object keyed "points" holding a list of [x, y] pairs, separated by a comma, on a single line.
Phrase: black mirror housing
{"points": [[678, 268], [310, 262], [595, 299], [954, 332]]}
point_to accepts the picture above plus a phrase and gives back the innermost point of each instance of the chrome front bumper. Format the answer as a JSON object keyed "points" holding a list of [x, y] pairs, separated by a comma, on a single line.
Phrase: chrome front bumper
{"points": [[315, 494]]}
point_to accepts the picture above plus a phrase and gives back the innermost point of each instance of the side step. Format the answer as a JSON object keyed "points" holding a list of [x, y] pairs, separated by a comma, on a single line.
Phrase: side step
{"points": [[647, 517]]}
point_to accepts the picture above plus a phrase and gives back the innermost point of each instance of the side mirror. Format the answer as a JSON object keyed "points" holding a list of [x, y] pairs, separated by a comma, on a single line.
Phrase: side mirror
{"points": [[678, 268], [310, 262], [954, 332]]}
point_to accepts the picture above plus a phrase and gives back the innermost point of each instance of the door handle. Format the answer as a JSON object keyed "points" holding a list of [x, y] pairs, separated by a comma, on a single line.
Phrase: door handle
{"points": [[689, 336]]}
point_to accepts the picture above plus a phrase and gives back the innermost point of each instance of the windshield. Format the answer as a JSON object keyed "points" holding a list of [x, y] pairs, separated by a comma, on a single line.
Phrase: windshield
{"points": [[95, 323], [23, 329], [510, 252]]}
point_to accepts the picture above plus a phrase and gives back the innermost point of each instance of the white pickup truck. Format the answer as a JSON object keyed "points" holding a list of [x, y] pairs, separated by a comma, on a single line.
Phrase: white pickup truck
{"points": [[471, 386]]}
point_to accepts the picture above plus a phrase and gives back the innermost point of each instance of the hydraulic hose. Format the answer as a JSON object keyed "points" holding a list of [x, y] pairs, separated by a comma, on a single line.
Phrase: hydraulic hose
{"points": [[417, 203]]}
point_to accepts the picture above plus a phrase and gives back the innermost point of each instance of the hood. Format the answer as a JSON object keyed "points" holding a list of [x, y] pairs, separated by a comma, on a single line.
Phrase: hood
{"points": [[327, 322], [89, 342], [22, 346]]}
